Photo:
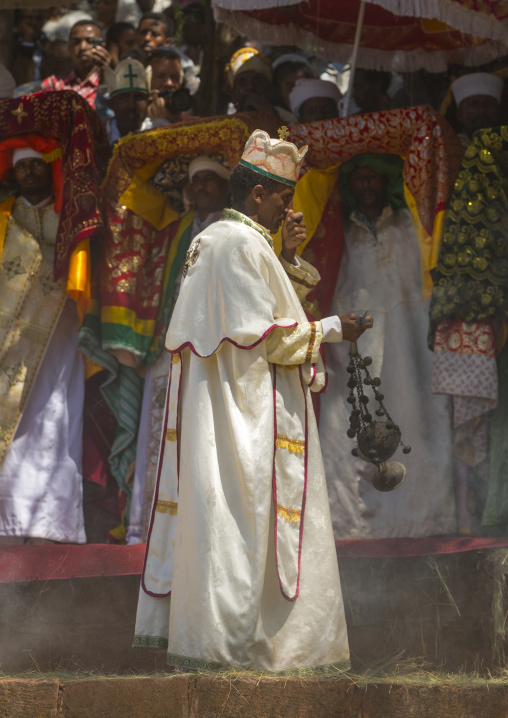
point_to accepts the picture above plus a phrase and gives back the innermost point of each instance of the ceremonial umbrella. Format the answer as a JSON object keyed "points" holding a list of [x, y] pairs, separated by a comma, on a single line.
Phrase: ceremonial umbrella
{"points": [[396, 35]]}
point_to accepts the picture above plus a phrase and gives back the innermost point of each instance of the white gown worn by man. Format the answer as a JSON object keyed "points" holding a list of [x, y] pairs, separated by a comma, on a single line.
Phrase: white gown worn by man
{"points": [[41, 373], [381, 271], [208, 191], [240, 542]]}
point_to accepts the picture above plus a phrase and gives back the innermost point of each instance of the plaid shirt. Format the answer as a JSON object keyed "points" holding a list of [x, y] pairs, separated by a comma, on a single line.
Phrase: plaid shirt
{"points": [[86, 88]]}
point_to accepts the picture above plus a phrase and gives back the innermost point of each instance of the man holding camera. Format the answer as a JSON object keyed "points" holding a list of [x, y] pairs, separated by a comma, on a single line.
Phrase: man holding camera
{"points": [[89, 56], [169, 99]]}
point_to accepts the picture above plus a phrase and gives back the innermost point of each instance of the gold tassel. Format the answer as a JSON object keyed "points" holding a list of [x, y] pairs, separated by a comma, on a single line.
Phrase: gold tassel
{"points": [[175, 358], [292, 516], [296, 446], [55, 154], [167, 507], [171, 435]]}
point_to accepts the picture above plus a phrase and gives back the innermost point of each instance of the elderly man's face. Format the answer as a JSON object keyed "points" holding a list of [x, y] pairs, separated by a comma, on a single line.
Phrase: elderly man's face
{"points": [[477, 112], [34, 178], [209, 192], [130, 110], [318, 108]]}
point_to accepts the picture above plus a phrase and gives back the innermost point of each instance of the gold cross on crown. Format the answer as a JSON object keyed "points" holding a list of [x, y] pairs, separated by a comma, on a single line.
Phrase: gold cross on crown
{"points": [[283, 132]]}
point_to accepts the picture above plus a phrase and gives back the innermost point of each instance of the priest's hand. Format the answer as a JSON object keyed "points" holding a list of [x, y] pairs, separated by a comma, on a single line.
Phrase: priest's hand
{"points": [[350, 329], [294, 233]]}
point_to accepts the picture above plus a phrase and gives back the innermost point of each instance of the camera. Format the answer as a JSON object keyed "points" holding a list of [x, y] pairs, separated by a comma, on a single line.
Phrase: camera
{"points": [[97, 42], [177, 100]]}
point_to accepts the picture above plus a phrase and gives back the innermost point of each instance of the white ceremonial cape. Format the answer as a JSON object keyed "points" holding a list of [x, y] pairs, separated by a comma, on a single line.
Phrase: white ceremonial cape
{"points": [[240, 540], [383, 275]]}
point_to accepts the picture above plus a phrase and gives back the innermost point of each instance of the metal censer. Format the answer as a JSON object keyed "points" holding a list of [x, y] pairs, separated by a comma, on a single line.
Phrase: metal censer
{"points": [[378, 439]]}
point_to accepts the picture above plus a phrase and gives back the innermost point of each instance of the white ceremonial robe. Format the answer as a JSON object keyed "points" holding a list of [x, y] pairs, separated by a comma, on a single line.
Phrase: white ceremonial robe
{"points": [[150, 423], [383, 275], [41, 477], [240, 546]]}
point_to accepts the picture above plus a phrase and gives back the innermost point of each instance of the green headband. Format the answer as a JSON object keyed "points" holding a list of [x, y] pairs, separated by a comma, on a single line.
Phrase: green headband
{"points": [[262, 171]]}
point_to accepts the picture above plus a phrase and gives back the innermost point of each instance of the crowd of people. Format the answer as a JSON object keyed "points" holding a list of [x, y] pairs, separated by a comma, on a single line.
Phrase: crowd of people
{"points": [[138, 64]]}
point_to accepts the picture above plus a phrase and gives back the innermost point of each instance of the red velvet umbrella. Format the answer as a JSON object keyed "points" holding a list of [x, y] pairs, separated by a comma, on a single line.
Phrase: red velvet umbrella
{"points": [[397, 42]]}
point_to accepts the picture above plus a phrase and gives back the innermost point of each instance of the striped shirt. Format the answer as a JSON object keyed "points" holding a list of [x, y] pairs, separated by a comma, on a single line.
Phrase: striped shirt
{"points": [[86, 88]]}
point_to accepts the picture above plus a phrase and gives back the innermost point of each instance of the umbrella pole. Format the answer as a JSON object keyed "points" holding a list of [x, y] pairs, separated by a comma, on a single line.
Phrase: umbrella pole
{"points": [[356, 47]]}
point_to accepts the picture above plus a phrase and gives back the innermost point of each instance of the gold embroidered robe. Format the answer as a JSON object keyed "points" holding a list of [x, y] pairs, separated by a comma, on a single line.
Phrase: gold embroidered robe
{"points": [[30, 305], [41, 385]]}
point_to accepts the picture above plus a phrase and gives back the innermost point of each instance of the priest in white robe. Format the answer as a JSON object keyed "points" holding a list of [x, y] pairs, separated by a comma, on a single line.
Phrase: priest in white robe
{"points": [[240, 568], [381, 271], [41, 371], [209, 192]]}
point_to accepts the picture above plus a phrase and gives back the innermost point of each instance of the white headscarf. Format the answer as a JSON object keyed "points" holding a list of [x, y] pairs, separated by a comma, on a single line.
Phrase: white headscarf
{"points": [[204, 162], [477, 83], [23, 153], [308, 87]]}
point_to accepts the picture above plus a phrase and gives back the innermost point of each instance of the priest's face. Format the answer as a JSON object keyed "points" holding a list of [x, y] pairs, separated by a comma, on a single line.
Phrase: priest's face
{"points": [[34, 178], [272, 207], [209, 193]]}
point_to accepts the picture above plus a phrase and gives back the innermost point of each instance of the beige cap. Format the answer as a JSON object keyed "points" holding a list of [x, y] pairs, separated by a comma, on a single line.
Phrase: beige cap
{"points": [[129, 76], [277, 159]]}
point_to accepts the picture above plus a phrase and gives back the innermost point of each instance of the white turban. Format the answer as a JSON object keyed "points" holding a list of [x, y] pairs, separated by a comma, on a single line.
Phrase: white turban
{"points": [[204, 162], [306, 87], [23, 153], [477, 83], [291, 57], [7, 83]]}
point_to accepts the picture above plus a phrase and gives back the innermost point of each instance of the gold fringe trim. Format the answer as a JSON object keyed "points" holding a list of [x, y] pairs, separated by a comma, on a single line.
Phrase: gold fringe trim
{"points": [[293, 516], [312, 340], [296, 446], [167, 507], [55, 154], [171, 435]]}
